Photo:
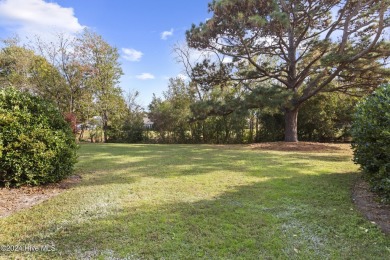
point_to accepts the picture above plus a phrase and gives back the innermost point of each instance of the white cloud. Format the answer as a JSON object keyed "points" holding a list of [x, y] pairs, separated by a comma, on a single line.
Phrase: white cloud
{"points": [[182, 76], [145, 76], [37, 17], [166, 34], [131, 54]]}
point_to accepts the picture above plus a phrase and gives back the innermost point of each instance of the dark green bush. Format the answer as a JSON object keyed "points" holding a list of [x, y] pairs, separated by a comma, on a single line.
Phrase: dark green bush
{"points": [[371, 140], [36, 143], [326, 118], [271, 127]]}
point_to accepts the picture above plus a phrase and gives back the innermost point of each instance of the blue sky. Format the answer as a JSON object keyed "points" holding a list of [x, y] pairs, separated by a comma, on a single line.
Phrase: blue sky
{"points": [[144, 31]]}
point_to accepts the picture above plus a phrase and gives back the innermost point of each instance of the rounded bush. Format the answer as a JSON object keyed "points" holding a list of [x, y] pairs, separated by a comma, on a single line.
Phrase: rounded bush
{"points": [[36, 143], [371, 140]]}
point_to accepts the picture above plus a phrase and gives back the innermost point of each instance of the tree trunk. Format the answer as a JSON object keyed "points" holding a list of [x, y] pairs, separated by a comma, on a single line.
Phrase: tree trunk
{"points": [[105, 136], [204, 134], [257, 136], [291, 125], [251, 124], [81, 136], [105, 126]]}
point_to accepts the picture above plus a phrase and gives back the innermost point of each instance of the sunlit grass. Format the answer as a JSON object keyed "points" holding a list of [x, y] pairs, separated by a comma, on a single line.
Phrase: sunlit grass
{"points": [[212, 202]]}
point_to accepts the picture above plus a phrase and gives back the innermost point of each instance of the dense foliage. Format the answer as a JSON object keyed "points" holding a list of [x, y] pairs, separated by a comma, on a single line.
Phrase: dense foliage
{"points": [[129, 126], [36, 143], [371, 139], [177, 118]]}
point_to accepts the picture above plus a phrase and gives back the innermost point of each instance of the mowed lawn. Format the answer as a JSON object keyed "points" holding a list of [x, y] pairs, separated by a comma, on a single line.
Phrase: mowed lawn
{"points": [[200, 202]]}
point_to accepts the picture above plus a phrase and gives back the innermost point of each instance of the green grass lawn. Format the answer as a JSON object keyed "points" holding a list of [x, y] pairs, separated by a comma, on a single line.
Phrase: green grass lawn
{"points": [[200, 201]]}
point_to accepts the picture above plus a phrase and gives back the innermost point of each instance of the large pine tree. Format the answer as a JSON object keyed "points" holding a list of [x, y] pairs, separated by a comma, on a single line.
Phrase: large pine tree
{"points": [[295, 47]]}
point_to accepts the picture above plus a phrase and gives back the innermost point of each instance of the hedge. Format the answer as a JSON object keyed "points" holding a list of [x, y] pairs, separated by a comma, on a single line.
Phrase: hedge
{"points": [[371, 140]]}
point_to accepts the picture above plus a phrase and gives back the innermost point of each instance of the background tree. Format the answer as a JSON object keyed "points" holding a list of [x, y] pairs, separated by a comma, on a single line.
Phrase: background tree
{"points": [[104, 77], [171, 114], [23, 69], [79, 74], [229, 119], [16, 64], [49, 83], [134, 120], [129, 127], [66, 55], [299, 48], [162, 118]]}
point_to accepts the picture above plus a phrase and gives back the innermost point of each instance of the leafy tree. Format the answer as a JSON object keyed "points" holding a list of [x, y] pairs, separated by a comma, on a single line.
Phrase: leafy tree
{"points": [[292, 50], [180, 97], [228, 124], [134, 120], [85, 110], [171, 114], [104, 77], [72, 94], [130, 128], [159, 113], [56, 74], [26, 71], [49, 83], [16, 64]]}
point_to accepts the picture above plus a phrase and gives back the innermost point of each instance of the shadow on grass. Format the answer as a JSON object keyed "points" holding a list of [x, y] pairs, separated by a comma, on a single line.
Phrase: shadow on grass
{"points": [[116, 163], [325, 158], [302, 217]]}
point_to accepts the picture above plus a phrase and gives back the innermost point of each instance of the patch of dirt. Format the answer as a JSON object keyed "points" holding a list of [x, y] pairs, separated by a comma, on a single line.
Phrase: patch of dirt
{"points": [[368, 203], [15, 199], [302, 147]]}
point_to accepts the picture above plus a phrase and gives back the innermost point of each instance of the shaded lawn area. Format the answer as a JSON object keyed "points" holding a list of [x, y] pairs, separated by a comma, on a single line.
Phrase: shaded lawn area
{"points": [[201, 201]]}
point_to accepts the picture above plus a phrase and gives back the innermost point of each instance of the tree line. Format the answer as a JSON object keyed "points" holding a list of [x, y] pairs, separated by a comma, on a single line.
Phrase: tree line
{"points": [[326, 117], [261, 68], [80, 75]]}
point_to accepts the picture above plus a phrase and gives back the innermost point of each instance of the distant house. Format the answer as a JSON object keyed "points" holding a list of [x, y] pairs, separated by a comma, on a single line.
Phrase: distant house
{"points": [[148, 124], [92, 124]]}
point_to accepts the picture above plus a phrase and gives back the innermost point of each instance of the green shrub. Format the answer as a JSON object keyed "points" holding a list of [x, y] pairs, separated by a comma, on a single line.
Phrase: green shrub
{"points": [[371, 140], [36, 143], [326, 117], [272, 127]]}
